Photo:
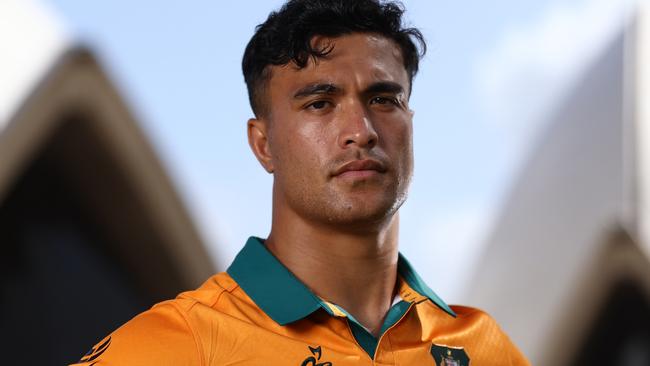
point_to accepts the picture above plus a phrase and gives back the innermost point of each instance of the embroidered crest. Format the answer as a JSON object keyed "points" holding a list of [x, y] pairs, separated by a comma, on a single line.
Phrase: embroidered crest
{"points": [[449, 356]]}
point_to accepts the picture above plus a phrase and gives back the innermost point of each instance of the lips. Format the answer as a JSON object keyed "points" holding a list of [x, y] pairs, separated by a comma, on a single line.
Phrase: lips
{"points": [[360, 167]]}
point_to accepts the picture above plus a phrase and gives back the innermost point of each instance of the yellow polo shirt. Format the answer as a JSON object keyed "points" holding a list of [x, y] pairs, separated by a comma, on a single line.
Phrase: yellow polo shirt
{"points": [[259, 313]]}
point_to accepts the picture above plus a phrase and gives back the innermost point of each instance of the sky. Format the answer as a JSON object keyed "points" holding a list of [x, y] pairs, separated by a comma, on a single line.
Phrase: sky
{"points": [[492, 73]]}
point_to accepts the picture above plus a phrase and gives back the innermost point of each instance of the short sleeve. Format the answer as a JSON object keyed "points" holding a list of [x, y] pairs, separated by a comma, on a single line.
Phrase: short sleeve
{"points": [[488, 343], [160, 336]]}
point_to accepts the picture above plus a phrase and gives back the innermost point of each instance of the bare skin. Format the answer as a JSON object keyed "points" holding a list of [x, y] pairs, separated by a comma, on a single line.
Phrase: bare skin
{"points": [[338, 139]]}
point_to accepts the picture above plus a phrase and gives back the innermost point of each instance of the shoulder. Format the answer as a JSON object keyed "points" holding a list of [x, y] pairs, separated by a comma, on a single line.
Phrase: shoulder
{"points": [[170, 333], [477, 318], [478, 334], [158, 336]]}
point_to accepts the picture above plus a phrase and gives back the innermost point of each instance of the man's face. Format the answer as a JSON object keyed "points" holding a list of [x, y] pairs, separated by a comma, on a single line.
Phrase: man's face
{"points": [[340, 133]]}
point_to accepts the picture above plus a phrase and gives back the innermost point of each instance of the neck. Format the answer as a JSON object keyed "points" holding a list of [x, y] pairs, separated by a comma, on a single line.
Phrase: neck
{"points": [[356, 271]]}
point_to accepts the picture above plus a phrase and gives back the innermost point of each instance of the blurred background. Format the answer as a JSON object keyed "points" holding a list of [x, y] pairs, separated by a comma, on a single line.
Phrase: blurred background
{"points": [[126, 177]]}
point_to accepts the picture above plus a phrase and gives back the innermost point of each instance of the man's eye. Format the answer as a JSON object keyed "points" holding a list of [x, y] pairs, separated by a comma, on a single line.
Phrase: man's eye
{"points": [[383, 100], [319, 104]]}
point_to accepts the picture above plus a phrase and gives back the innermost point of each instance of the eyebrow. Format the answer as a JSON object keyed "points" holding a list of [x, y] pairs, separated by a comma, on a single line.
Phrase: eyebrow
{"points": [[384, 87], [328, 88], [321, 88]]}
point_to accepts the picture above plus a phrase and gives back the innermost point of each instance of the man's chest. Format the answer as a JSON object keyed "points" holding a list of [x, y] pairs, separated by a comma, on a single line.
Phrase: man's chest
{"points": [[327, 345]]}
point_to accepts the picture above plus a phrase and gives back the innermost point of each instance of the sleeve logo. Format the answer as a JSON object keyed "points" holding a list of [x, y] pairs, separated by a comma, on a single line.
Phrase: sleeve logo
{"points": [[96, 351], [449, 356]]}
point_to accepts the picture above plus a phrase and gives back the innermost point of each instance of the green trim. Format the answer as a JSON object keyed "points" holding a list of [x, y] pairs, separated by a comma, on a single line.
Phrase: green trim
{"points": [[271, 285], [285, 299], [413, 279], [394, 315], [368, 341]]}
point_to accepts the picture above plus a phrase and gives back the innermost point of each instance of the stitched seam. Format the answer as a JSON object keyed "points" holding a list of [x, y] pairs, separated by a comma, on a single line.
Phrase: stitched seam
{"points": [[392, 349], [217, 297], [234, 286], [197, 343]]}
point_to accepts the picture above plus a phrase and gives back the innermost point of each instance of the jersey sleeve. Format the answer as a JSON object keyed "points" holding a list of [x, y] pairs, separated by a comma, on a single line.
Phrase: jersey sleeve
{"points": [[489, 344], [160, 336]]}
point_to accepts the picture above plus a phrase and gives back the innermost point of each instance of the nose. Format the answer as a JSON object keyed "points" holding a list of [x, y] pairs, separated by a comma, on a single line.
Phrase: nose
{"points": [[357, 128]]}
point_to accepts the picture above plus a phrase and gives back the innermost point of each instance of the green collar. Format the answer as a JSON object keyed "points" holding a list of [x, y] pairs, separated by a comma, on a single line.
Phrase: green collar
{"points": [[283, 297], [411, 277]]}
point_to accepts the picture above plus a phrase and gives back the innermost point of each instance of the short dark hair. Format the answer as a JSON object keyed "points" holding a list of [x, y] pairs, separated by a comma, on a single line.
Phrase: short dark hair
{"points": [[286, 37]]}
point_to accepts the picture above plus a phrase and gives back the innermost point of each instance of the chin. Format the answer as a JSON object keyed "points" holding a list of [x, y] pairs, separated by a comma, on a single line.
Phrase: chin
{"points": [[363, 215], [357, 210]]}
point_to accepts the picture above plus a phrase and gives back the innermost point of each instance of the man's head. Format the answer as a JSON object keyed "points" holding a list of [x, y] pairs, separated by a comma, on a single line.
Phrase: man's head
{"points": [[285, 37], [329, 82]]}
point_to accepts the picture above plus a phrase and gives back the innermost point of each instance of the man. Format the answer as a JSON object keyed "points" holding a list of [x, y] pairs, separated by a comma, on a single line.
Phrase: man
{"points": [[329, 83]]}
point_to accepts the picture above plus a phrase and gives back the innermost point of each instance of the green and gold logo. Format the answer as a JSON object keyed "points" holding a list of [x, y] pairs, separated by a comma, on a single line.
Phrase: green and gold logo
{"points": [[449, 356]]}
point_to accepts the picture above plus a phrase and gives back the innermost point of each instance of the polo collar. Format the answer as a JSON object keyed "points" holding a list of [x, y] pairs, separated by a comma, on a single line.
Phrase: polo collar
{"points": [[413, 280], [284, 298]]}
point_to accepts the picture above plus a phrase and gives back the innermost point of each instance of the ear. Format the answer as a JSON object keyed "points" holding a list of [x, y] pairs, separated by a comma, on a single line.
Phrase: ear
{"points": [[259, 142]]}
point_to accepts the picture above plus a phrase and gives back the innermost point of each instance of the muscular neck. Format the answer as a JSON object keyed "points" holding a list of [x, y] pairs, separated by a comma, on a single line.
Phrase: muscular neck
{"points": [[356, 271]]}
